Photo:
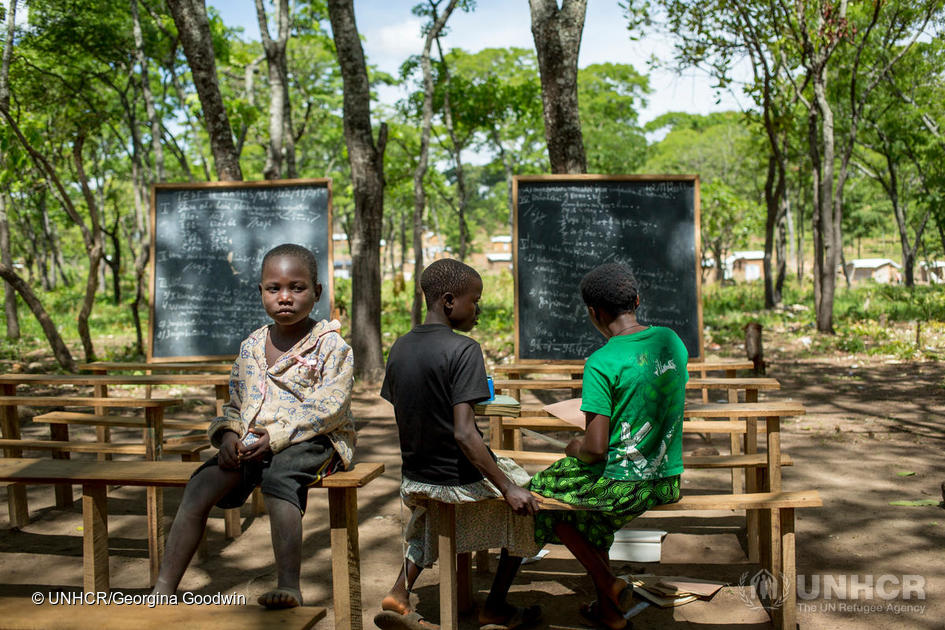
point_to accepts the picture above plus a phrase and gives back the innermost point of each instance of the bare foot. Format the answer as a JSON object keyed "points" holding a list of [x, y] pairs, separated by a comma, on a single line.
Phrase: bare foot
{"points": [[281, 597], [605, 616], [621, 595], [393, 604]]}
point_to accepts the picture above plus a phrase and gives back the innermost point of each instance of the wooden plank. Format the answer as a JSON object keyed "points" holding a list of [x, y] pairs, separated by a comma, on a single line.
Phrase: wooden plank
{"points": [[757, 501], [104, 380], [748, 384], [129, 473], [219, 367], [95, 538], [122, 448], [755, 460], [360, 475], [88, 401], [550, 423], [697, 367], [345, 558], [21, 614], [449, 588], [91, 419], [714, 410]]}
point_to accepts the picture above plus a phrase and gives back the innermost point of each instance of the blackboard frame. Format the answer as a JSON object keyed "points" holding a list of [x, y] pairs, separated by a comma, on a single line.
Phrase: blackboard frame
{"points": [[327, 281], [591, 178]]}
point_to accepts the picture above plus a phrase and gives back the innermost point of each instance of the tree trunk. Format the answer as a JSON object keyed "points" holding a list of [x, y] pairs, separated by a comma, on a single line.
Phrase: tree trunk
{"points": [[367, 176], [419, 194], [59, 348], [557, 34], [279, 105], [825, 236], [157, 147], [6, 256], [774, 193], [456, 152], [94, 248], [190, 17], [780, 249]]}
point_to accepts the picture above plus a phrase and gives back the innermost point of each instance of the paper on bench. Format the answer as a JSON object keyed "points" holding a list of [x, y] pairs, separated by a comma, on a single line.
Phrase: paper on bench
{"points": [[569, 411]]}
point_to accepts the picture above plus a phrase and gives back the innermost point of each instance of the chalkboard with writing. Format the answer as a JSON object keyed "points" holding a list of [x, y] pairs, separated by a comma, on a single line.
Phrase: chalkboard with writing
{"points": [[565, 225], [207, 245]]}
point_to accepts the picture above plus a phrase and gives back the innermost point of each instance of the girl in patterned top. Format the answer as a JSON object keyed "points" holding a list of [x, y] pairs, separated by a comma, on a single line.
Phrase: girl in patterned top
{"points": [[630, 457], [287, 425]]}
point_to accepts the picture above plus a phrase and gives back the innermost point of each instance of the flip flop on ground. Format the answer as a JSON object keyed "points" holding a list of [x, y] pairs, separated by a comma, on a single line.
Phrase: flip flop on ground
{"points": [[410, 620], [280, 597], [519, 618], [592, 613]]}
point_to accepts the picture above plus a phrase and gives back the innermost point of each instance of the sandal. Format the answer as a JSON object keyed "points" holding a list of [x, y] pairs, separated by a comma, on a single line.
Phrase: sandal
{"points": [[520, 618], [391, 620], [592, 613]]}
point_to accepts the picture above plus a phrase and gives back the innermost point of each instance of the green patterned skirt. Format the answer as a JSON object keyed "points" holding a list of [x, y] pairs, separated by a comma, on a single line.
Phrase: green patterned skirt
{"points": [[609, 503]]}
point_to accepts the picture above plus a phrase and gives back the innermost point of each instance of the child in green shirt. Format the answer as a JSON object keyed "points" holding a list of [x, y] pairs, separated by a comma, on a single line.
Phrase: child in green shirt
{"points": [[630, 457]]}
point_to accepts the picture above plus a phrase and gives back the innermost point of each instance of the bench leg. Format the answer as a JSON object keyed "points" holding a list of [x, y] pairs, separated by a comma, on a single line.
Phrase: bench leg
{"points": [[94, 538], [17, 506], [449, 589], [232, 525], [345, 558], [259, 504], [483, 562], [155, 502], [788, 611], [464, 583], [102, 434], [60, 432]]}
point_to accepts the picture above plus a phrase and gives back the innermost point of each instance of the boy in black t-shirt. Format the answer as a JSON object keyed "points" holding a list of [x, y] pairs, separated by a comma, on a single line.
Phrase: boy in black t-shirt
{"points": [[434, 378]]}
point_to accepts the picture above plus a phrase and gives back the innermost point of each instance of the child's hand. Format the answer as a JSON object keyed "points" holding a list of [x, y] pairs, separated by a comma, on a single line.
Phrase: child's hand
{"points": [[255, 449], [521, 500], [574, 447], [228, 457]]}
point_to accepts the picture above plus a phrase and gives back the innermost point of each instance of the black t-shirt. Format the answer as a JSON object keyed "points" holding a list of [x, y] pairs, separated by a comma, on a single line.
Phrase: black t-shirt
{"points": [[429, 370]]}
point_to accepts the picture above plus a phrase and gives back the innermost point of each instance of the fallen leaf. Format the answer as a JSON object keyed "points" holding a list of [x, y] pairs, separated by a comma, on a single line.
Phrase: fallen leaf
{"points": [[906, 473], [916, 503]]}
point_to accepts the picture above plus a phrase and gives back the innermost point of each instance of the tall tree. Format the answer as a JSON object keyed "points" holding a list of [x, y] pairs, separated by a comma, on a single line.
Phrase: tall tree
{"points": [[281, 134], [367, 177], [557, 34], [432, 33], [190, 17], [6, 256]]}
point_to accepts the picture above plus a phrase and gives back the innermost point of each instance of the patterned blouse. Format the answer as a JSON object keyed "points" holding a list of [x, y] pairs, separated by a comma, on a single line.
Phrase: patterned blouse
{"points": [[306, 393]]}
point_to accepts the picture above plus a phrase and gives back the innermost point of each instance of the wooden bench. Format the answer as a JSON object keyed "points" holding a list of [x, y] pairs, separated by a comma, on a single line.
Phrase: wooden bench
{"points": [[22, 614], [779, 558], [188, 451], [9, 423], [95, 476]]}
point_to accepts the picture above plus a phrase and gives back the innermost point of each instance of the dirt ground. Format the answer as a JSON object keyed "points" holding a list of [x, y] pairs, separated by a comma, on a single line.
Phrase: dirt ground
{"points": [[873, 434]]}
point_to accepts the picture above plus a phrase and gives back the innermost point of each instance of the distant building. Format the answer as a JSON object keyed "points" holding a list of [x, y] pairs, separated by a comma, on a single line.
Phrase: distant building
{"points": [[931, 272], [745, 266], [499, 255], [881, 270]]}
